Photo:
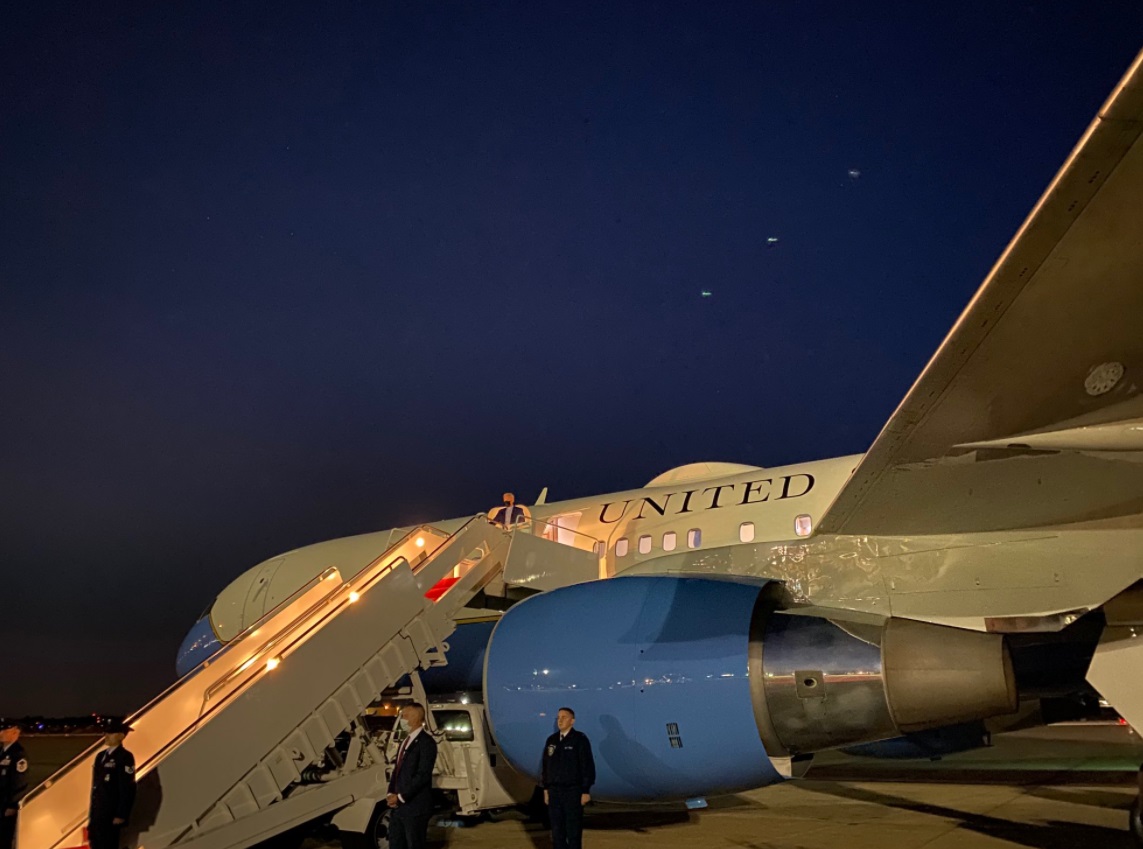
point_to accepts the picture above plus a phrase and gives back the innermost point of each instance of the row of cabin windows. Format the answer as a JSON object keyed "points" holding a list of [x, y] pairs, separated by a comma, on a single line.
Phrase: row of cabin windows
{"points": [[802, 527], [670, 542]]}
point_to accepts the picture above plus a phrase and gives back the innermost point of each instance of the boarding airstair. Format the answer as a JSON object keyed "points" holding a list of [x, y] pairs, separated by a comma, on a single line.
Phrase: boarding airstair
{"points": [[240, 749]]}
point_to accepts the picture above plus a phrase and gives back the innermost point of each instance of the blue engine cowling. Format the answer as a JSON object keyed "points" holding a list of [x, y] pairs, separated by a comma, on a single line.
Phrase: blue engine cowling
{"points": [[686, 686], [657, 671], [199, 645]]}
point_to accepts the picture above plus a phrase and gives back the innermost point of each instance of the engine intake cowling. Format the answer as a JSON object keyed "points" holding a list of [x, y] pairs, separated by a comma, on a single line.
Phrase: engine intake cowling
{"points": [[657, 671], [685, 685]]}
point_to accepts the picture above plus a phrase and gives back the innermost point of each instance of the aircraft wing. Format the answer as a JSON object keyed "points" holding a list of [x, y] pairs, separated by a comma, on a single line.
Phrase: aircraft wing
{"points": [[1037, 388]]}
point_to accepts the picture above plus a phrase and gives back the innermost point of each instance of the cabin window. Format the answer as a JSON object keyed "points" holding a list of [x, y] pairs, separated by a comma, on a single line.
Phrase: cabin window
{"points": [[694, 538], [803, 525], [645, 544], [670, 540], [621, 547], [746, 532], [600, 548]]}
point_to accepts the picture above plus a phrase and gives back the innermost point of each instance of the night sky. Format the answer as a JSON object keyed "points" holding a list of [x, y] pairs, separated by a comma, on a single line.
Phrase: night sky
{"points": [[278, 273]]}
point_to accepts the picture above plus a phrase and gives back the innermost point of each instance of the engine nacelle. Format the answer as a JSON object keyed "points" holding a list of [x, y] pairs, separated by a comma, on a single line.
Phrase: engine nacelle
{"points": [[831, 683], [686, 686], [657, 671]]}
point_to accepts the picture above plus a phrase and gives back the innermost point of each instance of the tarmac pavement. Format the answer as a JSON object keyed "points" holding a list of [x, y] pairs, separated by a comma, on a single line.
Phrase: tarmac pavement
{"points": [[845, 815], [1063, 787]]}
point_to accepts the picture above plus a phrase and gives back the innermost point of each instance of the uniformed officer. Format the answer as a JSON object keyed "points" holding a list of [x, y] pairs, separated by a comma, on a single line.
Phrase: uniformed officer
{"points": [[411, 786], [13, 781], [112, 790], [568, 773]]}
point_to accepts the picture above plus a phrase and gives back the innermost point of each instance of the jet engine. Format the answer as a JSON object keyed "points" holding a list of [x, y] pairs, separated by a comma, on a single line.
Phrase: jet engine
{"points": [[688, 686]]}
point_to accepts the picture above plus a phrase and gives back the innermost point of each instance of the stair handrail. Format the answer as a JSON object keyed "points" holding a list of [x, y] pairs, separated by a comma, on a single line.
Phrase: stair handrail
{"points": [[232, 644]]}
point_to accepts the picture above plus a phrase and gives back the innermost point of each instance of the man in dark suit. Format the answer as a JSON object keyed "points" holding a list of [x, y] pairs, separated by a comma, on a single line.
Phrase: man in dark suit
{"points": [[510, 514], [568, 773], [411, 786], [112, 790]]}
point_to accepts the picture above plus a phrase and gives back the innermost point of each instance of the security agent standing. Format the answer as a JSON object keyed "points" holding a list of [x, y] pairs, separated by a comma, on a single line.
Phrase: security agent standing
{"points": [[568, 773], [13, 781], [411, 786], [112, 790]]}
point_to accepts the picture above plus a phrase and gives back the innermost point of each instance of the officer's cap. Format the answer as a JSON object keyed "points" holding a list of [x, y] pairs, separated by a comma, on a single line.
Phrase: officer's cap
{"points": [[117, 726]]}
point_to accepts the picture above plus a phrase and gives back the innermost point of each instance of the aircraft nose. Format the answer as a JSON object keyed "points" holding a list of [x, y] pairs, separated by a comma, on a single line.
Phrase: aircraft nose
{"points": [[199, 644]]}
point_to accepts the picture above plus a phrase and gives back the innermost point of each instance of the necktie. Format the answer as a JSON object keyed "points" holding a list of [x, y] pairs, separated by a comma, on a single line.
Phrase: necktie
{"points": [[401, 756]]}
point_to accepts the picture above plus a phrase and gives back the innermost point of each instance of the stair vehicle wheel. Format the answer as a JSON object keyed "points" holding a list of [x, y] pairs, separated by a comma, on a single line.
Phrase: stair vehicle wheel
{"points": [[376, 834]]}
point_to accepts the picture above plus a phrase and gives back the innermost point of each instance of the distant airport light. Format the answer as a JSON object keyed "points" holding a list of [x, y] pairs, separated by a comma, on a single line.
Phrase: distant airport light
{"points": [[803, 525], [354, 596], [420, 542], [272, 663]]}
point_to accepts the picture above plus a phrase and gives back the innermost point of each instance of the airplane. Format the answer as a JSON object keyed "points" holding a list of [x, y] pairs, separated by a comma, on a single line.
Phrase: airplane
{"points": [[982, 560], [987, 550]]}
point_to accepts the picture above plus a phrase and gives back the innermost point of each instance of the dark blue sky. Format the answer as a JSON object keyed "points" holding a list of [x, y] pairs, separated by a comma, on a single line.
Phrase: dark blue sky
{"points": [[274, 277]]}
